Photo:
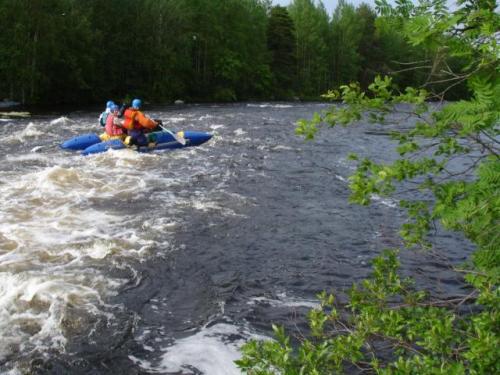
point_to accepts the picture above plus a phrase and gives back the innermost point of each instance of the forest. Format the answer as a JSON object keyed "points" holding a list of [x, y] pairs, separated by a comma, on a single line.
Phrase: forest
{"points": [[87, 51]]}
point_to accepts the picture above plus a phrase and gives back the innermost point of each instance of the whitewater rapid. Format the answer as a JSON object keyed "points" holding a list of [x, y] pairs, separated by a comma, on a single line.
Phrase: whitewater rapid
{"points": [[168, 263]]}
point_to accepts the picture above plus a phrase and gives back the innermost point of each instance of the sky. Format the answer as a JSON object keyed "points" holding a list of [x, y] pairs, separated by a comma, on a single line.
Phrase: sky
{"points": [[329, 4]]}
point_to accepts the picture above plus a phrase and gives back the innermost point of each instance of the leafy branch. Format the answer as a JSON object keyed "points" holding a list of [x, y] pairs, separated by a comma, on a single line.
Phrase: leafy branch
{"points": [[389, 326]]}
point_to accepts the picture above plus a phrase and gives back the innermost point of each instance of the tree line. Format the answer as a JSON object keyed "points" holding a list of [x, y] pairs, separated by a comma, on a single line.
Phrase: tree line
{"points": [[84, 51]]}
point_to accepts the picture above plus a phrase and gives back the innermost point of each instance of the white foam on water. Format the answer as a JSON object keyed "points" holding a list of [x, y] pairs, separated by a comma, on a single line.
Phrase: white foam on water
{"points": [[266, 147], [33, 303], [282, 147], [212, 350], [240, 131], [216, 126], [175, 119], [36, 149], [44, 227], [97, 250], [76, 126], [61, 121], [268, 105], [28, 157], [285, 301], [55, 182], [203, 202], [238, 141], [28, 133], [49, 232], [392, 203], [205, 351], [207, 206]]}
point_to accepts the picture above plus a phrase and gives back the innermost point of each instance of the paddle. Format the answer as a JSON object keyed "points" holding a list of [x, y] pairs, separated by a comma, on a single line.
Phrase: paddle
{"points": [[178, 138]]}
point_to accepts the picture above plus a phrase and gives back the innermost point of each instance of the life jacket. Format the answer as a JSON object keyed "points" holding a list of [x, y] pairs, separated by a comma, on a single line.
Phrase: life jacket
{"points": [[111, 128], [136, 120], [130, 123]]}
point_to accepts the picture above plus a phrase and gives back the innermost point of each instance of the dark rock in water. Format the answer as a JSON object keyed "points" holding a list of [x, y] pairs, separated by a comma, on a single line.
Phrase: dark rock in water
{"points": [[6, 103]]}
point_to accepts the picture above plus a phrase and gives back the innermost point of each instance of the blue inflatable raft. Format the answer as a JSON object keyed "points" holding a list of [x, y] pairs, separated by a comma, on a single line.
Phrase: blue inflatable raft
{"points": [[162, 140]]}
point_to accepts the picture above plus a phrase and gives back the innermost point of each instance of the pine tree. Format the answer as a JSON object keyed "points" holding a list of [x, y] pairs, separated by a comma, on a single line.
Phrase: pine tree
{"points": [[281, 45]]}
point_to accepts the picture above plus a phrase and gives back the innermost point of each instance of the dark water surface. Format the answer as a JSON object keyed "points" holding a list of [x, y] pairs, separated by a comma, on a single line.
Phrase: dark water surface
{"points": [[140, 263]]}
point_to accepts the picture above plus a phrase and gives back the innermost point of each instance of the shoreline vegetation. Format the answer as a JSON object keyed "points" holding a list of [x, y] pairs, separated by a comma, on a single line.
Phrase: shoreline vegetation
{"points": [[82, 53]]}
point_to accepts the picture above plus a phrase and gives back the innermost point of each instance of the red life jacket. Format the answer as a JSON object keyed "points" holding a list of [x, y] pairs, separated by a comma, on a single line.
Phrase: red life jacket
{"points": [[111, 128]]}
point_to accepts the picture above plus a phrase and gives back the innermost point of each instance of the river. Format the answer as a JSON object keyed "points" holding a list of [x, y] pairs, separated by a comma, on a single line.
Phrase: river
{"points": [[166, 263]]}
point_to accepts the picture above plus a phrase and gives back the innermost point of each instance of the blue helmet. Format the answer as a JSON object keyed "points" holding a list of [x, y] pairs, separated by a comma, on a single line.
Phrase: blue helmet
{"points": [[114, 108], [137, 103], [109, 104]]}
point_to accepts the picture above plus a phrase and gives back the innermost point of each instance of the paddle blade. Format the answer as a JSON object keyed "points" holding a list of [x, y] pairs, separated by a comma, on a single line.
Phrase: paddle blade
{"points": [[179, 137]]}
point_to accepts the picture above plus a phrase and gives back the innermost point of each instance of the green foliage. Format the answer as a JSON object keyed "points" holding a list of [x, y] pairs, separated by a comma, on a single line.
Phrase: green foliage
{"points": [[311, 33], [386, 310], [39, 38], [347, 33], [391, 326], [67, 51], [72, 51], [370, 51], [281, 44]]}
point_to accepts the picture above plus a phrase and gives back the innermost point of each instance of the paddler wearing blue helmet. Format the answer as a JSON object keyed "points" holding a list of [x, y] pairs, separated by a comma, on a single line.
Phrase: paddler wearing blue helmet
{"points": [[137, 124], [103, 117]]}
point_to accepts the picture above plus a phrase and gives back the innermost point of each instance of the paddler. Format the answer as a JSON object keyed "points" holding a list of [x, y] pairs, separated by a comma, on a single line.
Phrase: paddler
{"points": [[137, 124], [107, 111], [114, 125]]}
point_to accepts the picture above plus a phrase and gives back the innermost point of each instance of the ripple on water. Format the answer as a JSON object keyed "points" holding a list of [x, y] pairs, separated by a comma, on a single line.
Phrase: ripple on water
{"points": [[123, 260], [49, 290]]}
